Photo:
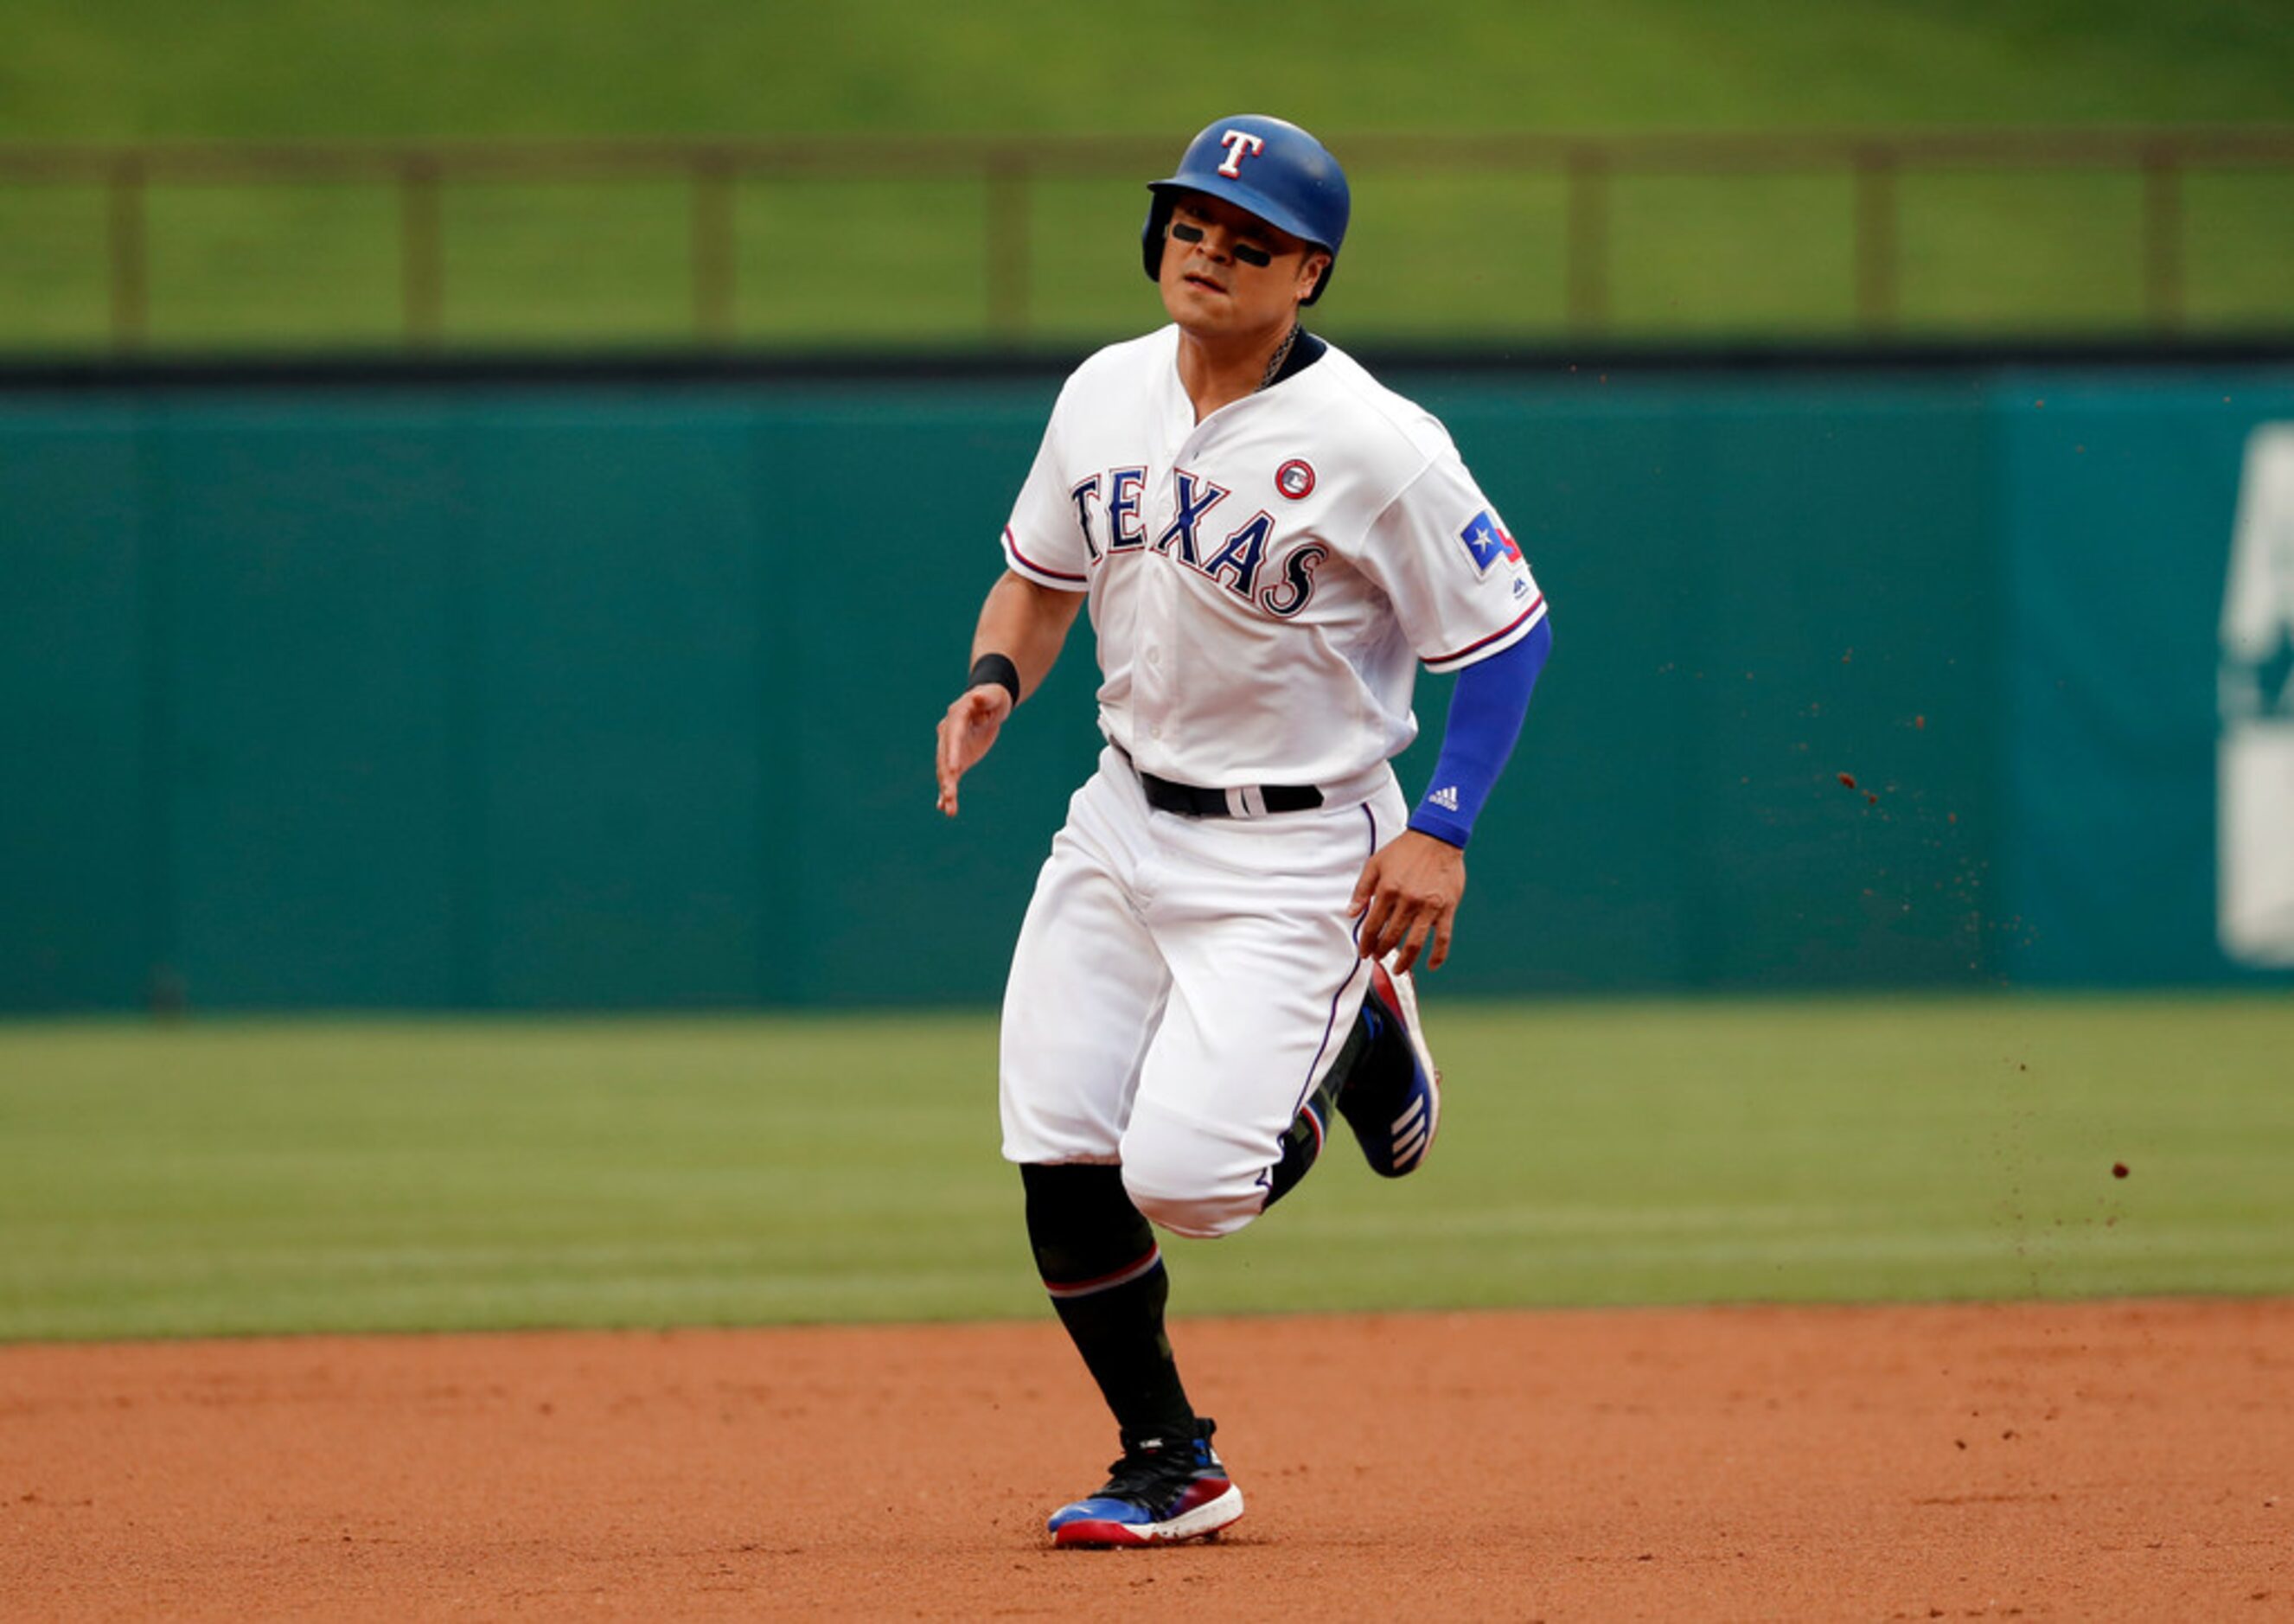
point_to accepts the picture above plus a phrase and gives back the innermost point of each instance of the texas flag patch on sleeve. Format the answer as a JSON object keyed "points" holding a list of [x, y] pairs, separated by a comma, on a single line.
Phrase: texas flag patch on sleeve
{"points": [[1487, 541]]}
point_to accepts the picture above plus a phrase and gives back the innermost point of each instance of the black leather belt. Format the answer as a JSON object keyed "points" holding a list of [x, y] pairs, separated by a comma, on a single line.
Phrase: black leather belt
{"points": [[1194, 801]]}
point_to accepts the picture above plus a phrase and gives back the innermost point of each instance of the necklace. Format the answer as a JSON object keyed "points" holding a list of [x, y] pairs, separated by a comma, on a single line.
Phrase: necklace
{"points": [[1281, 354]]}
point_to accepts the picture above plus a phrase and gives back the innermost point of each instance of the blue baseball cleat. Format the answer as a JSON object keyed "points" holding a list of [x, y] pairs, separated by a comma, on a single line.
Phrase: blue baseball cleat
{"points": [[1159, 1493], [1395, 1116]]}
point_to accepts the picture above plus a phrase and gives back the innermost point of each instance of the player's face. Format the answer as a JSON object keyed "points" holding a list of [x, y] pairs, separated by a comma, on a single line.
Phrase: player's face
{"points": [[1226, 273]]}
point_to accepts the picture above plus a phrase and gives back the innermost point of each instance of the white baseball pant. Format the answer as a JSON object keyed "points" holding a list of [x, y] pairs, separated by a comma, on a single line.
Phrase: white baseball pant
{"points": [[1179, 988]]}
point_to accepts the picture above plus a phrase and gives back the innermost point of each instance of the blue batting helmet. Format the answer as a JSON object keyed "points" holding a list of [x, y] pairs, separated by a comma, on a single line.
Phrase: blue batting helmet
{"points": [[1275, 170]]}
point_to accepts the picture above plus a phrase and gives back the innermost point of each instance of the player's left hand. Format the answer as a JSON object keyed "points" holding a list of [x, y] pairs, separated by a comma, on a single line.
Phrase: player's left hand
{"points": [[1406, 898]]}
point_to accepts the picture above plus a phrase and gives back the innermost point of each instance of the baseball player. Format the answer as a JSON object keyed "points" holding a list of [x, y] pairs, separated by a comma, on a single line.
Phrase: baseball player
{"points": [[1217, 954]]}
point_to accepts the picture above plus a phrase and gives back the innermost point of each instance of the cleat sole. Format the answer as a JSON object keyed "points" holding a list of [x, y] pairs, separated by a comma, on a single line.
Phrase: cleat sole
{"points": [[1203, 1522]]}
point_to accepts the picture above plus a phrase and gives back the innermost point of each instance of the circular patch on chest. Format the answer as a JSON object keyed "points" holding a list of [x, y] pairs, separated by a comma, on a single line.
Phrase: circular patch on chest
{"points": [[1295, 478]]}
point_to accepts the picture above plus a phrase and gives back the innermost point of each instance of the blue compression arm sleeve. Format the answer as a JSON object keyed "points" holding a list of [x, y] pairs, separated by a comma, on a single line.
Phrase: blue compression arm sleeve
{"points": [[1485, 713]]}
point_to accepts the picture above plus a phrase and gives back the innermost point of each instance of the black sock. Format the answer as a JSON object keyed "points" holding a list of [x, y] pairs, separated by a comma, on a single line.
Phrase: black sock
{"points": [[1301, 1145], [1098, 1260]]}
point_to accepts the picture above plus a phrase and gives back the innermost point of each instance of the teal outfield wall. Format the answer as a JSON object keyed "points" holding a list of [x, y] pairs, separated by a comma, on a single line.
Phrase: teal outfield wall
{"points": [[622, 695]]}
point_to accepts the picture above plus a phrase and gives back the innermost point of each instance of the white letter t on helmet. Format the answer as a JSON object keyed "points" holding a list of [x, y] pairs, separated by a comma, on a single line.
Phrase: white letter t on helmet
{"points": [[1239, 145]]}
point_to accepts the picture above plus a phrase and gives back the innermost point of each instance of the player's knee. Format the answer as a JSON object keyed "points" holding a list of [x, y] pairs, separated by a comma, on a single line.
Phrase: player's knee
{"points": [[1184, 1202]]}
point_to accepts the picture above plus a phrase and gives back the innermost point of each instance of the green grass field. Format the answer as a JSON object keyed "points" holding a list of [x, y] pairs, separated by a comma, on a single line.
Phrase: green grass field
{"points": [[891, 262], [229, 1177]]}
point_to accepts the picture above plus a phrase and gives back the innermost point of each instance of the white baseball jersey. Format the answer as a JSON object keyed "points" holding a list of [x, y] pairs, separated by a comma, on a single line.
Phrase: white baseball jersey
{"points": [[1262, 582]]}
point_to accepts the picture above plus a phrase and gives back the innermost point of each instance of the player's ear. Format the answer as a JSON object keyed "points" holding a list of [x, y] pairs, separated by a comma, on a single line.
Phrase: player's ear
{"points": [[1310, 272]]}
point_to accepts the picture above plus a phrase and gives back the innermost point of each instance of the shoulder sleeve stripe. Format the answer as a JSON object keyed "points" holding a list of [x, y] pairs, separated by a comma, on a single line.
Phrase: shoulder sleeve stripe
{"points": [[1495, 641], [1028, 566]]}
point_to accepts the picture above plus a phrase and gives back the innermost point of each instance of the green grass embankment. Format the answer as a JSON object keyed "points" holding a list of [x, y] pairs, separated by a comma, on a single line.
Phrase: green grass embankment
{"points": [[895, 262]]}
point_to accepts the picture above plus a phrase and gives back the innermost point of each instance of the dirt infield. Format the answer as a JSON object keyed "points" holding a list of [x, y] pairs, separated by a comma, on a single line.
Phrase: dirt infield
{"points": [[2119, 1460]]}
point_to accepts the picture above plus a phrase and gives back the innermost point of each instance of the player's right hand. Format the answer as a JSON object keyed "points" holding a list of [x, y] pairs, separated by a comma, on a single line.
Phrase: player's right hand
{"points": [[965, 734]]}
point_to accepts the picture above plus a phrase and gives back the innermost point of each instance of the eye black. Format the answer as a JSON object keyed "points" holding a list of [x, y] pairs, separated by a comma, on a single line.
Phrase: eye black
{"points": [[1185, 232], [1251, 254]]}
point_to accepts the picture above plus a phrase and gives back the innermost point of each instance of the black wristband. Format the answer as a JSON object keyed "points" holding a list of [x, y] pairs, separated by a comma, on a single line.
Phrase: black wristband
{"points": [[995, 668]]}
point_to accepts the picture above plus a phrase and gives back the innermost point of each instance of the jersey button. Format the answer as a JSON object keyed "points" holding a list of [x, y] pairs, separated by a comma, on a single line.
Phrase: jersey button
{"points": [[1154, 657]]}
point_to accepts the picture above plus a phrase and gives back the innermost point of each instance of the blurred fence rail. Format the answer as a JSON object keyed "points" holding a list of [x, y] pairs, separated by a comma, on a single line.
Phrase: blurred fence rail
{"points": [[1011, 173]]}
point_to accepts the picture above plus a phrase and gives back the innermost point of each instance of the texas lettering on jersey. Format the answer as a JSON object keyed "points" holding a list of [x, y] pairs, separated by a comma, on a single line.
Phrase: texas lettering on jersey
{"points": [[1107, 511], [1263, 580]]}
